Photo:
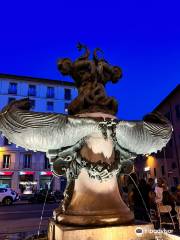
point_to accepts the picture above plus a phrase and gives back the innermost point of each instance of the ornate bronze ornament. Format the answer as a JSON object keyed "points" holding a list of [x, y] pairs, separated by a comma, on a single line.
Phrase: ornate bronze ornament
{"points": [[90, 77], [90, 146]]}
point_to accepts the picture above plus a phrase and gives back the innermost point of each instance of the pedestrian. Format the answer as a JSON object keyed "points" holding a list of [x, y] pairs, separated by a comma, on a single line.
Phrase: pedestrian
{"points": [[177, 195], [150, 184], [159, 191], [167, 198]]}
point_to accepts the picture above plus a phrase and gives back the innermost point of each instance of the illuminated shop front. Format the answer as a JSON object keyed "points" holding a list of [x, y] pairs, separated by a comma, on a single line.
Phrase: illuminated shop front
{"points": [[5, 179], [45, 180], [27, 182]]}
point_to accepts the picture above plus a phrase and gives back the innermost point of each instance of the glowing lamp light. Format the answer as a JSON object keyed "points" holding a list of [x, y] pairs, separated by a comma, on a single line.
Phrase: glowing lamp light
{"points": [[146, 169], [49, 173], [151, 161]]}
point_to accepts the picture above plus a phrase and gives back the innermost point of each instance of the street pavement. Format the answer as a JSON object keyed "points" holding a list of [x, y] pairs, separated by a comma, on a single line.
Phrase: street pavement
{"points": [[20, 218]]}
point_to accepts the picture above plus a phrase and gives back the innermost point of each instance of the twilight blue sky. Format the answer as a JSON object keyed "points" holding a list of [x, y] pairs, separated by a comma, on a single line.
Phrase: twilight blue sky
{"points": [[142, 37]]}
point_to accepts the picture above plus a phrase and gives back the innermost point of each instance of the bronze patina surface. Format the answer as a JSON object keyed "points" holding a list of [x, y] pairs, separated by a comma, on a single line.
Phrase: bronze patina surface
{"points": [[90, 78], [91, 147]]}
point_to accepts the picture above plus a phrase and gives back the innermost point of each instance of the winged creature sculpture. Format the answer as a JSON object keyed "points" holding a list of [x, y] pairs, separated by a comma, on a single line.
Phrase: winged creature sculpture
{"points": [[47, 132], [44, 132], [91, 137]]}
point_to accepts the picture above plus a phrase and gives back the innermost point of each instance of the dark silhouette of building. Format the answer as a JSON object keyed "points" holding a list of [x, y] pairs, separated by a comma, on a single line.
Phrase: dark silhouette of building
{"points": [[166, 163]]}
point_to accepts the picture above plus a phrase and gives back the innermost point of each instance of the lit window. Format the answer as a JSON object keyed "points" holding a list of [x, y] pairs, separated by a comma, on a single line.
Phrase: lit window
{"points": [[32, 90], [12, 88], [11, 99], [27, 161], [50, 106], [50, 92], [6, 161], [67, 94]]}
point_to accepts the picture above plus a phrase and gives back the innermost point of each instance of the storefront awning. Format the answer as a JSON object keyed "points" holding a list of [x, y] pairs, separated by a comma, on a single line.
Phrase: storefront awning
{"points": [[6, 173], [26, 173], [48, 173]]}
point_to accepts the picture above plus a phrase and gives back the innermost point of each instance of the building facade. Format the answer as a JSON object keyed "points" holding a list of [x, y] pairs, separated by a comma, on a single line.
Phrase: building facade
{"points": [[165, 164], [20, 168]]}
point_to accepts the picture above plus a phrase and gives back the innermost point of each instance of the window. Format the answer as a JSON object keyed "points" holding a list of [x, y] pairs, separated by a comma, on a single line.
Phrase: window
{"points": [[162, 170], [168, 115], [6, 161], [11, 99], [32, 90], [26, 178], [27, 161], [155, 172], [160, 154], [3, 190], [170, 142], [32, 104], [50, 106], [176, 181], [46, 163], [67, 94], [12, 88], [177, 108], [6, 142], [50, 92], [66, 107], [174, 166]]}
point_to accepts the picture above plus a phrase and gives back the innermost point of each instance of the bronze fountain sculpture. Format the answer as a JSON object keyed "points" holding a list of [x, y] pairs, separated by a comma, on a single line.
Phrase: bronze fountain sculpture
{"points": [[90, 145]]}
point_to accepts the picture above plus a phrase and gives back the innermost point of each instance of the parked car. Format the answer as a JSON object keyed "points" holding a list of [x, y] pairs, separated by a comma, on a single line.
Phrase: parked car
{"points": [[7, 196], [39, 197]]}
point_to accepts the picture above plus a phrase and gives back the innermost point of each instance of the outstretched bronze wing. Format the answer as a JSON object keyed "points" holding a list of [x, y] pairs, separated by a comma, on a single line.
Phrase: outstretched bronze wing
{"points": [[42, 131], [45, 131], [144, 137]]}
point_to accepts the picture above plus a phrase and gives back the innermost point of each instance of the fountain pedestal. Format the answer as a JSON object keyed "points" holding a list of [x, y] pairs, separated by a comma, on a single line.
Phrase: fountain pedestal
{"points": [[95, 203], [95, 206], [132, 232]]}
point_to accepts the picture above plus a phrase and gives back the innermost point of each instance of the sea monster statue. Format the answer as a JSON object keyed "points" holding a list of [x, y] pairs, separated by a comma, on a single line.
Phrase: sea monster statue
{"points": [[90, 145]]}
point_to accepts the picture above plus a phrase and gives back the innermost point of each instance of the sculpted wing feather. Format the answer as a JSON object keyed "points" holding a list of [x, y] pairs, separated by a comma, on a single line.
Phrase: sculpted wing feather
{"points": [[144, 137], [42, 131]]}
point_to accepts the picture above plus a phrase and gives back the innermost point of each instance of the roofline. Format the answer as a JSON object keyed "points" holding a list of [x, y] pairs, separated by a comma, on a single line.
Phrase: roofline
{"points": [[35, 79], [177, 88]]}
